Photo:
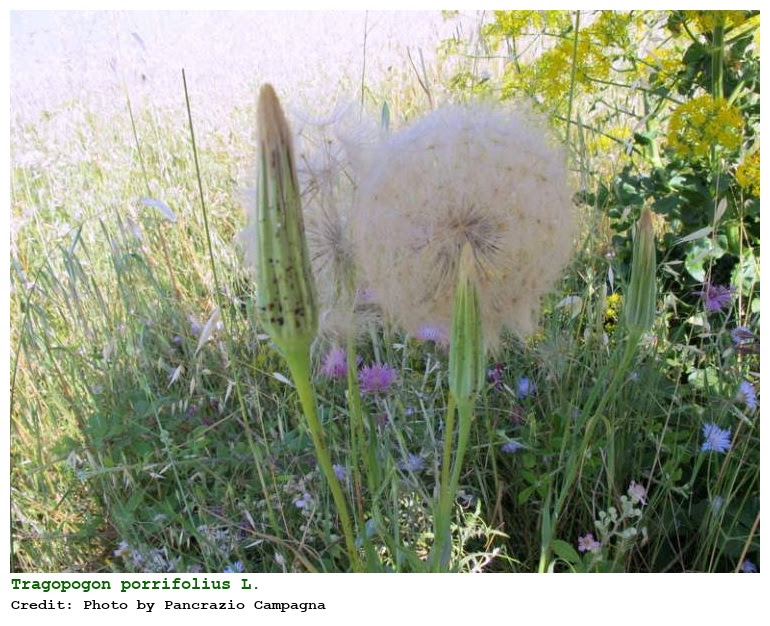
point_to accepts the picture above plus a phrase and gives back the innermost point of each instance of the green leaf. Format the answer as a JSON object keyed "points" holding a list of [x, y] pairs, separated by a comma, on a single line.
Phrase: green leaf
{"points": [[565, 551]]}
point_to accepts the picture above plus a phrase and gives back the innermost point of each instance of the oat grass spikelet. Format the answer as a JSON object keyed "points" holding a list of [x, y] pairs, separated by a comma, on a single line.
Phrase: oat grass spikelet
{"points": [[470, 174]]}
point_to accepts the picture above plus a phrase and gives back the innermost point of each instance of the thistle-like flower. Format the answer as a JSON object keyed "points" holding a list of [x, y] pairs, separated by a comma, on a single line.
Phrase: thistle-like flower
{"points": [[465, 175]]}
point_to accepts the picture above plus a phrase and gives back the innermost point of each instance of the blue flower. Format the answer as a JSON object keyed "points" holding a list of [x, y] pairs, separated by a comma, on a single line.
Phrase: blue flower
{"points": [[233, 568], [747, 395], [412, 463], [511, 446], [716, 439], [747, 567], [526, 387], [340, 471]]}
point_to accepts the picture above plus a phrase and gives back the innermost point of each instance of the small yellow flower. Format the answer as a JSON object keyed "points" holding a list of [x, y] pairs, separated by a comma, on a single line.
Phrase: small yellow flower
{"points": [[747, 174], [702, 123], [706, 21]]}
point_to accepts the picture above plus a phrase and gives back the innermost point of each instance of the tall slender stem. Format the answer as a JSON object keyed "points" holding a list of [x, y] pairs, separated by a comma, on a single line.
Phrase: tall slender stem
{"points": [[299, 364]]}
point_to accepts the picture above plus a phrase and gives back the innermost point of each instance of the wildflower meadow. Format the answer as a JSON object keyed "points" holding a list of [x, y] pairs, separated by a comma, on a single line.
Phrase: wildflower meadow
{"points": [[497, 311]]}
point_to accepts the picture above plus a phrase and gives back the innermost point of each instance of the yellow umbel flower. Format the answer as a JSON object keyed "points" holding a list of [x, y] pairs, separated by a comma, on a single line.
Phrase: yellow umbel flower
{"points": [[747, 174], [702, 123]]}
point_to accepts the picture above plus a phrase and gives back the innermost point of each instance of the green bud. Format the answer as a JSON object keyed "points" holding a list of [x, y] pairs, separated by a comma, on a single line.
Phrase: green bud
{"points": [[639, 307], [286, 294], [467, 358]]}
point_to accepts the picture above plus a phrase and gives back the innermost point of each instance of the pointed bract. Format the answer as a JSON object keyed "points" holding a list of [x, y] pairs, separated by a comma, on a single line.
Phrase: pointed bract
{"points": [[286, 294]]}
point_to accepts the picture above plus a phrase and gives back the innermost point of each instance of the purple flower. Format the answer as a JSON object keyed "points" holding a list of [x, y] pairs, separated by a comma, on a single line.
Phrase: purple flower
{"points": [[526, 387], [637, 493], [232, 568], [377, 378], [747, 567], [495, 375], [340, 471], [715, 297], [436, 334], [716, 439], [304, 502], [511, 446], [747, 395], [588, 543], [195, 327], [412, 463], [335, 364], [740, 334]]}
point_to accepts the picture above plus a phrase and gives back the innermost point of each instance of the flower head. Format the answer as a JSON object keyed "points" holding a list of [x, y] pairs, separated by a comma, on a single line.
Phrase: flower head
{"points": [[335, 363], [340, 471], [637, 493], [525, 387], [747, 395], [462, 175], [436, 334], [511, 446], [716, 439], [234, 567], [123, 550], [589, 544], [703, 124], [747, 567], [412, 463], [739, 334], [377, 378], [495, 375], [715, 297]]}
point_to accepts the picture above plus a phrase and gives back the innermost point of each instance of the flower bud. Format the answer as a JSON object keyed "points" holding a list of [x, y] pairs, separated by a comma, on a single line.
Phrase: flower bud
{"points": [[286, 294], [467, 359], [640, 301]]}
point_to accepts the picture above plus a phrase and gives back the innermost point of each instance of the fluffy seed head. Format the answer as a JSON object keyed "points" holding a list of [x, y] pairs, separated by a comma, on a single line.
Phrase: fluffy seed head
{"points": [[465, 175]]}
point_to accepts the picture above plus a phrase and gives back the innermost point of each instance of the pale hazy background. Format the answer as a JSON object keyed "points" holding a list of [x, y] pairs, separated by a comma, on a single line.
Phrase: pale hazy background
{"points": [[311, 57]]}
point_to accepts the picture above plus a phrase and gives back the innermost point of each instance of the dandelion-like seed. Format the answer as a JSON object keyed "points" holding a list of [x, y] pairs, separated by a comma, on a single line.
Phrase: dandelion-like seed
{"points": [[716, 439], [465, 175]]}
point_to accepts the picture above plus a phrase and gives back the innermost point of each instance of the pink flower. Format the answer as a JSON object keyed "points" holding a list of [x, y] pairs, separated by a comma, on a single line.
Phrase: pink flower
{"points": [[377, 378], [335, 364], [588, 543], [637, 493]]}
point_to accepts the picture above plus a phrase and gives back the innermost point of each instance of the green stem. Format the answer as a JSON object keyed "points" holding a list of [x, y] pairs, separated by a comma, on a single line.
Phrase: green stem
{"points": [[446, 496], [573, 464], [717, 62], [573, 76], [298, 358]]}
